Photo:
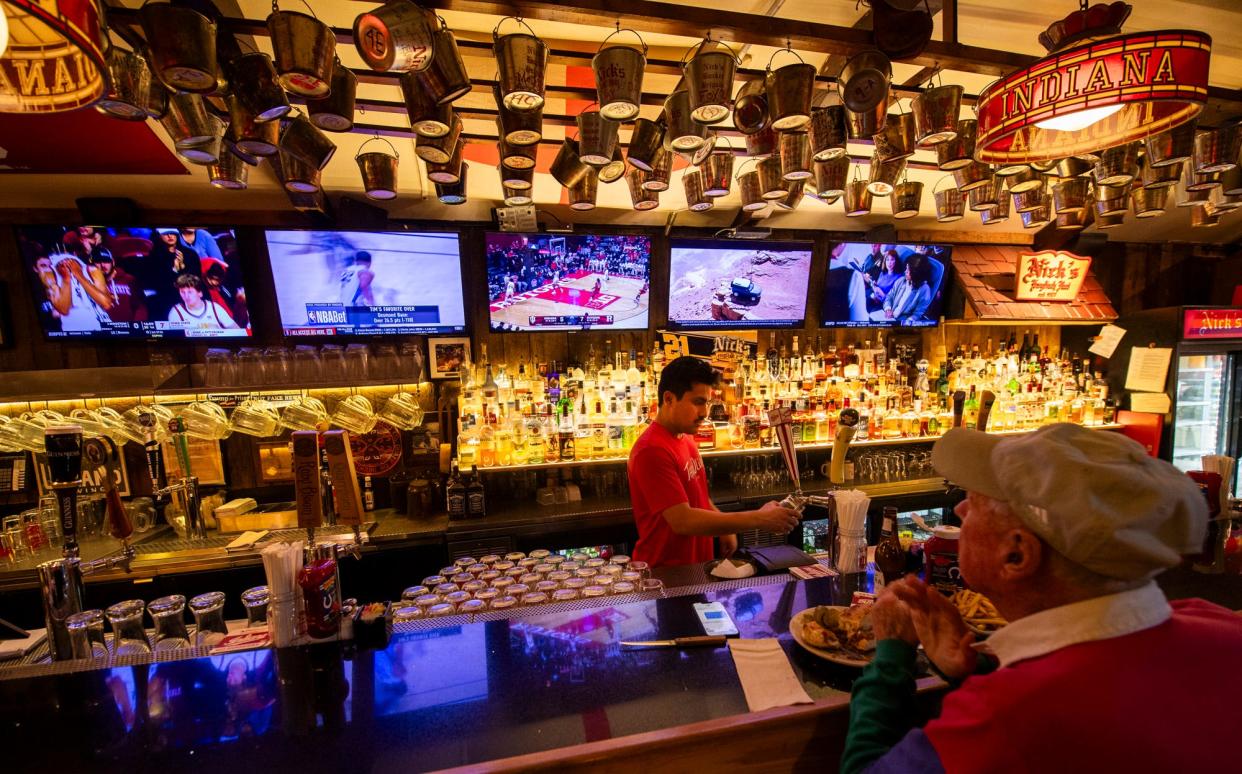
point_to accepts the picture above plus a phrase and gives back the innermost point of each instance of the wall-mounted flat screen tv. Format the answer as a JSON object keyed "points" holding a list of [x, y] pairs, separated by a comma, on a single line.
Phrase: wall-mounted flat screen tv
{"points": [[136, 282], [355, 283], [884, 285], [558, 282], [737, 284]]}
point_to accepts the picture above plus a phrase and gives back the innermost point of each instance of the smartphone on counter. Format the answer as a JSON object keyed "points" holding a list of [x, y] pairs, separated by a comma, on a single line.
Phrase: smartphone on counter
{"points": [[715, 619]]}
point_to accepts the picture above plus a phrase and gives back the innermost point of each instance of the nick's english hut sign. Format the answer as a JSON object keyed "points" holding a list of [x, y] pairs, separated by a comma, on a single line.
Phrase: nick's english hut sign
{"points": [[1050, 276]]}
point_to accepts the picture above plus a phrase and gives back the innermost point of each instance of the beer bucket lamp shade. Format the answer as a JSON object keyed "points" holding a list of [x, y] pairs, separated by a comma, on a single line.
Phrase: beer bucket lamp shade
{"points": [[54, 57]]}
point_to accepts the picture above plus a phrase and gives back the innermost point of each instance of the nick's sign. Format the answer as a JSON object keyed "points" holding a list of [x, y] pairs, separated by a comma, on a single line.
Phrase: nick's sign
{"points": [[1050, 276]]}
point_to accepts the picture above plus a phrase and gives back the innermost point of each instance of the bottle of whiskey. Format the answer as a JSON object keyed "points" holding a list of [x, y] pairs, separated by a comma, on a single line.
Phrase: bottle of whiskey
{"points": [[890, 558], [455, 495], [476, 506]]}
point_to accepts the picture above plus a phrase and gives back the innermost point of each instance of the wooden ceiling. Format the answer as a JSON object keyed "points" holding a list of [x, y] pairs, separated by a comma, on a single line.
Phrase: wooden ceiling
{"points": [[973, 43]]}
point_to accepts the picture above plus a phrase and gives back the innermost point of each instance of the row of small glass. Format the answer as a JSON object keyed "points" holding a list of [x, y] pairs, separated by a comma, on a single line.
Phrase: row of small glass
{"points": [[129, 637], [38, 529], [207, 420], [309, 365]]}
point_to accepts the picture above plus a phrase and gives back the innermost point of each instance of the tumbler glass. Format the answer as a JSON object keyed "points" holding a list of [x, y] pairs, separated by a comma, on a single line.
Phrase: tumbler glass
{"points": [[412, 360], [277, 366], [128, 636], [255, 600], [221, 371], [357, 363], [307, 365], [86, 634], [332, 363], [208, 611], [250, 366], [168, 615], [409, 612], [384, 363]]}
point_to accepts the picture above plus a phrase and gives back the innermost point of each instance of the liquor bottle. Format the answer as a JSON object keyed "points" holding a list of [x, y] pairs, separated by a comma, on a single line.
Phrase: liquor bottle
{"points": [[599, 432], [632, 375], [970, 410], [321, 592], [550, 430], [476, 505], [565, 435], [862, 431], [890, 557], [657, 360], [368, 495], [773, 357], [455, 495]]}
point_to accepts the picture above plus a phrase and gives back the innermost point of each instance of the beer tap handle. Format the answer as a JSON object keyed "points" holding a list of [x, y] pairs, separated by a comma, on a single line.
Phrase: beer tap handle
{"points": [[847, 424], [306, 482], [151, 445], [63, 444], [959, 402], [985, 409]]}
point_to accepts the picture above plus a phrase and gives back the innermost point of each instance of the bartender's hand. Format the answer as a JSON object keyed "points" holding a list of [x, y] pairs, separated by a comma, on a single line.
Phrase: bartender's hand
{"points": [[890, 619], [939, 625], [728, 546], [775, 519]]}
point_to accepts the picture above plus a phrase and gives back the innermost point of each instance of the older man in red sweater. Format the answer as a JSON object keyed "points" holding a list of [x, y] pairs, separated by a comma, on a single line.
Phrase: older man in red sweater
{"points": [[1064, 530]]}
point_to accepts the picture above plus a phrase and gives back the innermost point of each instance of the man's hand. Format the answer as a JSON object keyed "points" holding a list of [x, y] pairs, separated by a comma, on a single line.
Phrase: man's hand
{"points": [[940, 627], [890, 619], [728, 546], [64, 269], [775, 519]]}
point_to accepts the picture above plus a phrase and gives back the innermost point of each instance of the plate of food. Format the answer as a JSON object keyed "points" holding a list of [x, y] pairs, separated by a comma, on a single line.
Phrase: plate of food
{"points": [[835, 633], [978, 612]]}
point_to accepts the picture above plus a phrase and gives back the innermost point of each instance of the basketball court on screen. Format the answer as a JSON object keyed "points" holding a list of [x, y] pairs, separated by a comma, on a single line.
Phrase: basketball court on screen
{"points": [[575, 295]]}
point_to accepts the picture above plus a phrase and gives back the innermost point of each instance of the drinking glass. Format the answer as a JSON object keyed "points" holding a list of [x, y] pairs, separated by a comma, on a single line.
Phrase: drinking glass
{"points": [[16, 537], [277, 366], [408, 612], [355, 414], [357, 363], [128, 636], [384, 363], [332, 363], [168, 615], [307, 365], [412, 361], [221, 370], [402, 411], [92, 426], [141, 514], [851, 551], [304, 413], [208, 611], [256, 417], [86, 634], [255, 600], [249, 366], [206, 420], [28, 431]]}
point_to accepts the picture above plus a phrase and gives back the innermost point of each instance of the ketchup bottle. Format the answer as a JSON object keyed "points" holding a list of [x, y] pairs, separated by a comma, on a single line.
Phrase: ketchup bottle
{"points": [[321, 592]]}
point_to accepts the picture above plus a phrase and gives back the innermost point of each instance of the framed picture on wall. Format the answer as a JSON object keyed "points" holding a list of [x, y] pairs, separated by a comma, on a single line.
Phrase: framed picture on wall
{"points": [[445, 356]]}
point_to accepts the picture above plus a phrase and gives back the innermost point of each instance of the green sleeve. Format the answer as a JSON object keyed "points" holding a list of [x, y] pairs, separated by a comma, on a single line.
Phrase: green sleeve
{"points": [[881, 705]]}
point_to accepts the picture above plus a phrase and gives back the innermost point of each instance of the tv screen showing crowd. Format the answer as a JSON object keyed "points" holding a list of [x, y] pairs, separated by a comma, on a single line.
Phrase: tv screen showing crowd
{"points": [[136, 282], [870, 285]]}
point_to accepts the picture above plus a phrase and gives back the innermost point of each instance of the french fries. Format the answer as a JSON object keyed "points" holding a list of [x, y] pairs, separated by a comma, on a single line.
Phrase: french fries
{"points": [[977, 611]]}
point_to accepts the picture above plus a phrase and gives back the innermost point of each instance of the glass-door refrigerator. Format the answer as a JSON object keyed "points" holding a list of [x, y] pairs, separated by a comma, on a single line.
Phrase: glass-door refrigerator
{"points": [[1204, 383]]}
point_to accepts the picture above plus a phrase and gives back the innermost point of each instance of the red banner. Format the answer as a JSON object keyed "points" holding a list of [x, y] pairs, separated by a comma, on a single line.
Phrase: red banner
{"points": [[1212, 324], [1159, 80]]}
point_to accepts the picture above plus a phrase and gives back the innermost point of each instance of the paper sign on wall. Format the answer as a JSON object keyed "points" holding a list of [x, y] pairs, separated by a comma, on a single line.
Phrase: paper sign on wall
{"points": [[1106, 342], [1149, 367]]}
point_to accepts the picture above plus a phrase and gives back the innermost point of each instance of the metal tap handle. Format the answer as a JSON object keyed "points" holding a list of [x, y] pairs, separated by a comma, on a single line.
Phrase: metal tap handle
{"points": [[196, 527]]}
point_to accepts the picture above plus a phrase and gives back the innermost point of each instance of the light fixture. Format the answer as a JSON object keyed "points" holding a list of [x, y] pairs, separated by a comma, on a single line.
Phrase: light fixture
{"points": [[55, 60], [1072, 122], [4, 30]]}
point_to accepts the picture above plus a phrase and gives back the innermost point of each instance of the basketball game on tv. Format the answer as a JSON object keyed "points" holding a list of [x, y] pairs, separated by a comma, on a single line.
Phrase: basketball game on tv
{"points": [[354, 283], [551, 282], [884, 285], [135, 282]]}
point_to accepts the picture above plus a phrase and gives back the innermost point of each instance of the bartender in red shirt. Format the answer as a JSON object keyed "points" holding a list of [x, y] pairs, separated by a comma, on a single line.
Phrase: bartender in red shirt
{"points": [[668, 488]]}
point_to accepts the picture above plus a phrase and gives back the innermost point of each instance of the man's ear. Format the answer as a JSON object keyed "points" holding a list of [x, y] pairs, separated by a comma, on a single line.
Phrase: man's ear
{"points": [[1021, 554]]}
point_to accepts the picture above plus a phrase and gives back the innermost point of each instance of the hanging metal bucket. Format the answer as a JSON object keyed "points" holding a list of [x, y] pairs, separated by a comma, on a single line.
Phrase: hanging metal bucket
{"points": [[1109, 221], [984, 197], [582, 195], [303, 49], [523, 60], [1203, 181], [795, 155], [247, 158], [864, 84], [896, 139], [1025, 179], [1118, 165], [761, 144], [682, 132], [788, 91], [597, 138], [1201, 218], [972, 176], [1070, 195], [379, 170], [1209, 153], [1072, 166], [1231, 182], [517, 179], [210, 150], [718, 173], [709, 77], [960, 151], [907, 198], [1148, 202], [857, 199], [935, 115], [445, 78], [831, 176], [248, 135], [438, 150], [706, 149], [750, 107], [614, 170], [398, 37], [646, 142], [771, 184], [335, 112], [828, 132], [229, 173], [129, 86], [884, 175], [453, 193], [187, 121], [1112, 199], [997, 214], [794, 191], [1173, 146], [302, 139], [696, 198], [157, 100], [1162, 177], [567, 167], [518, 156], [749, 189], [427, 118], [619, 77], [253, 78], [661, 172], [1071, 221], [517, 127], [183, 47], [641, 197], [1036, 218], [299, 176], [950, 202], [449, 172], [1032, 199], [515, 197]]}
